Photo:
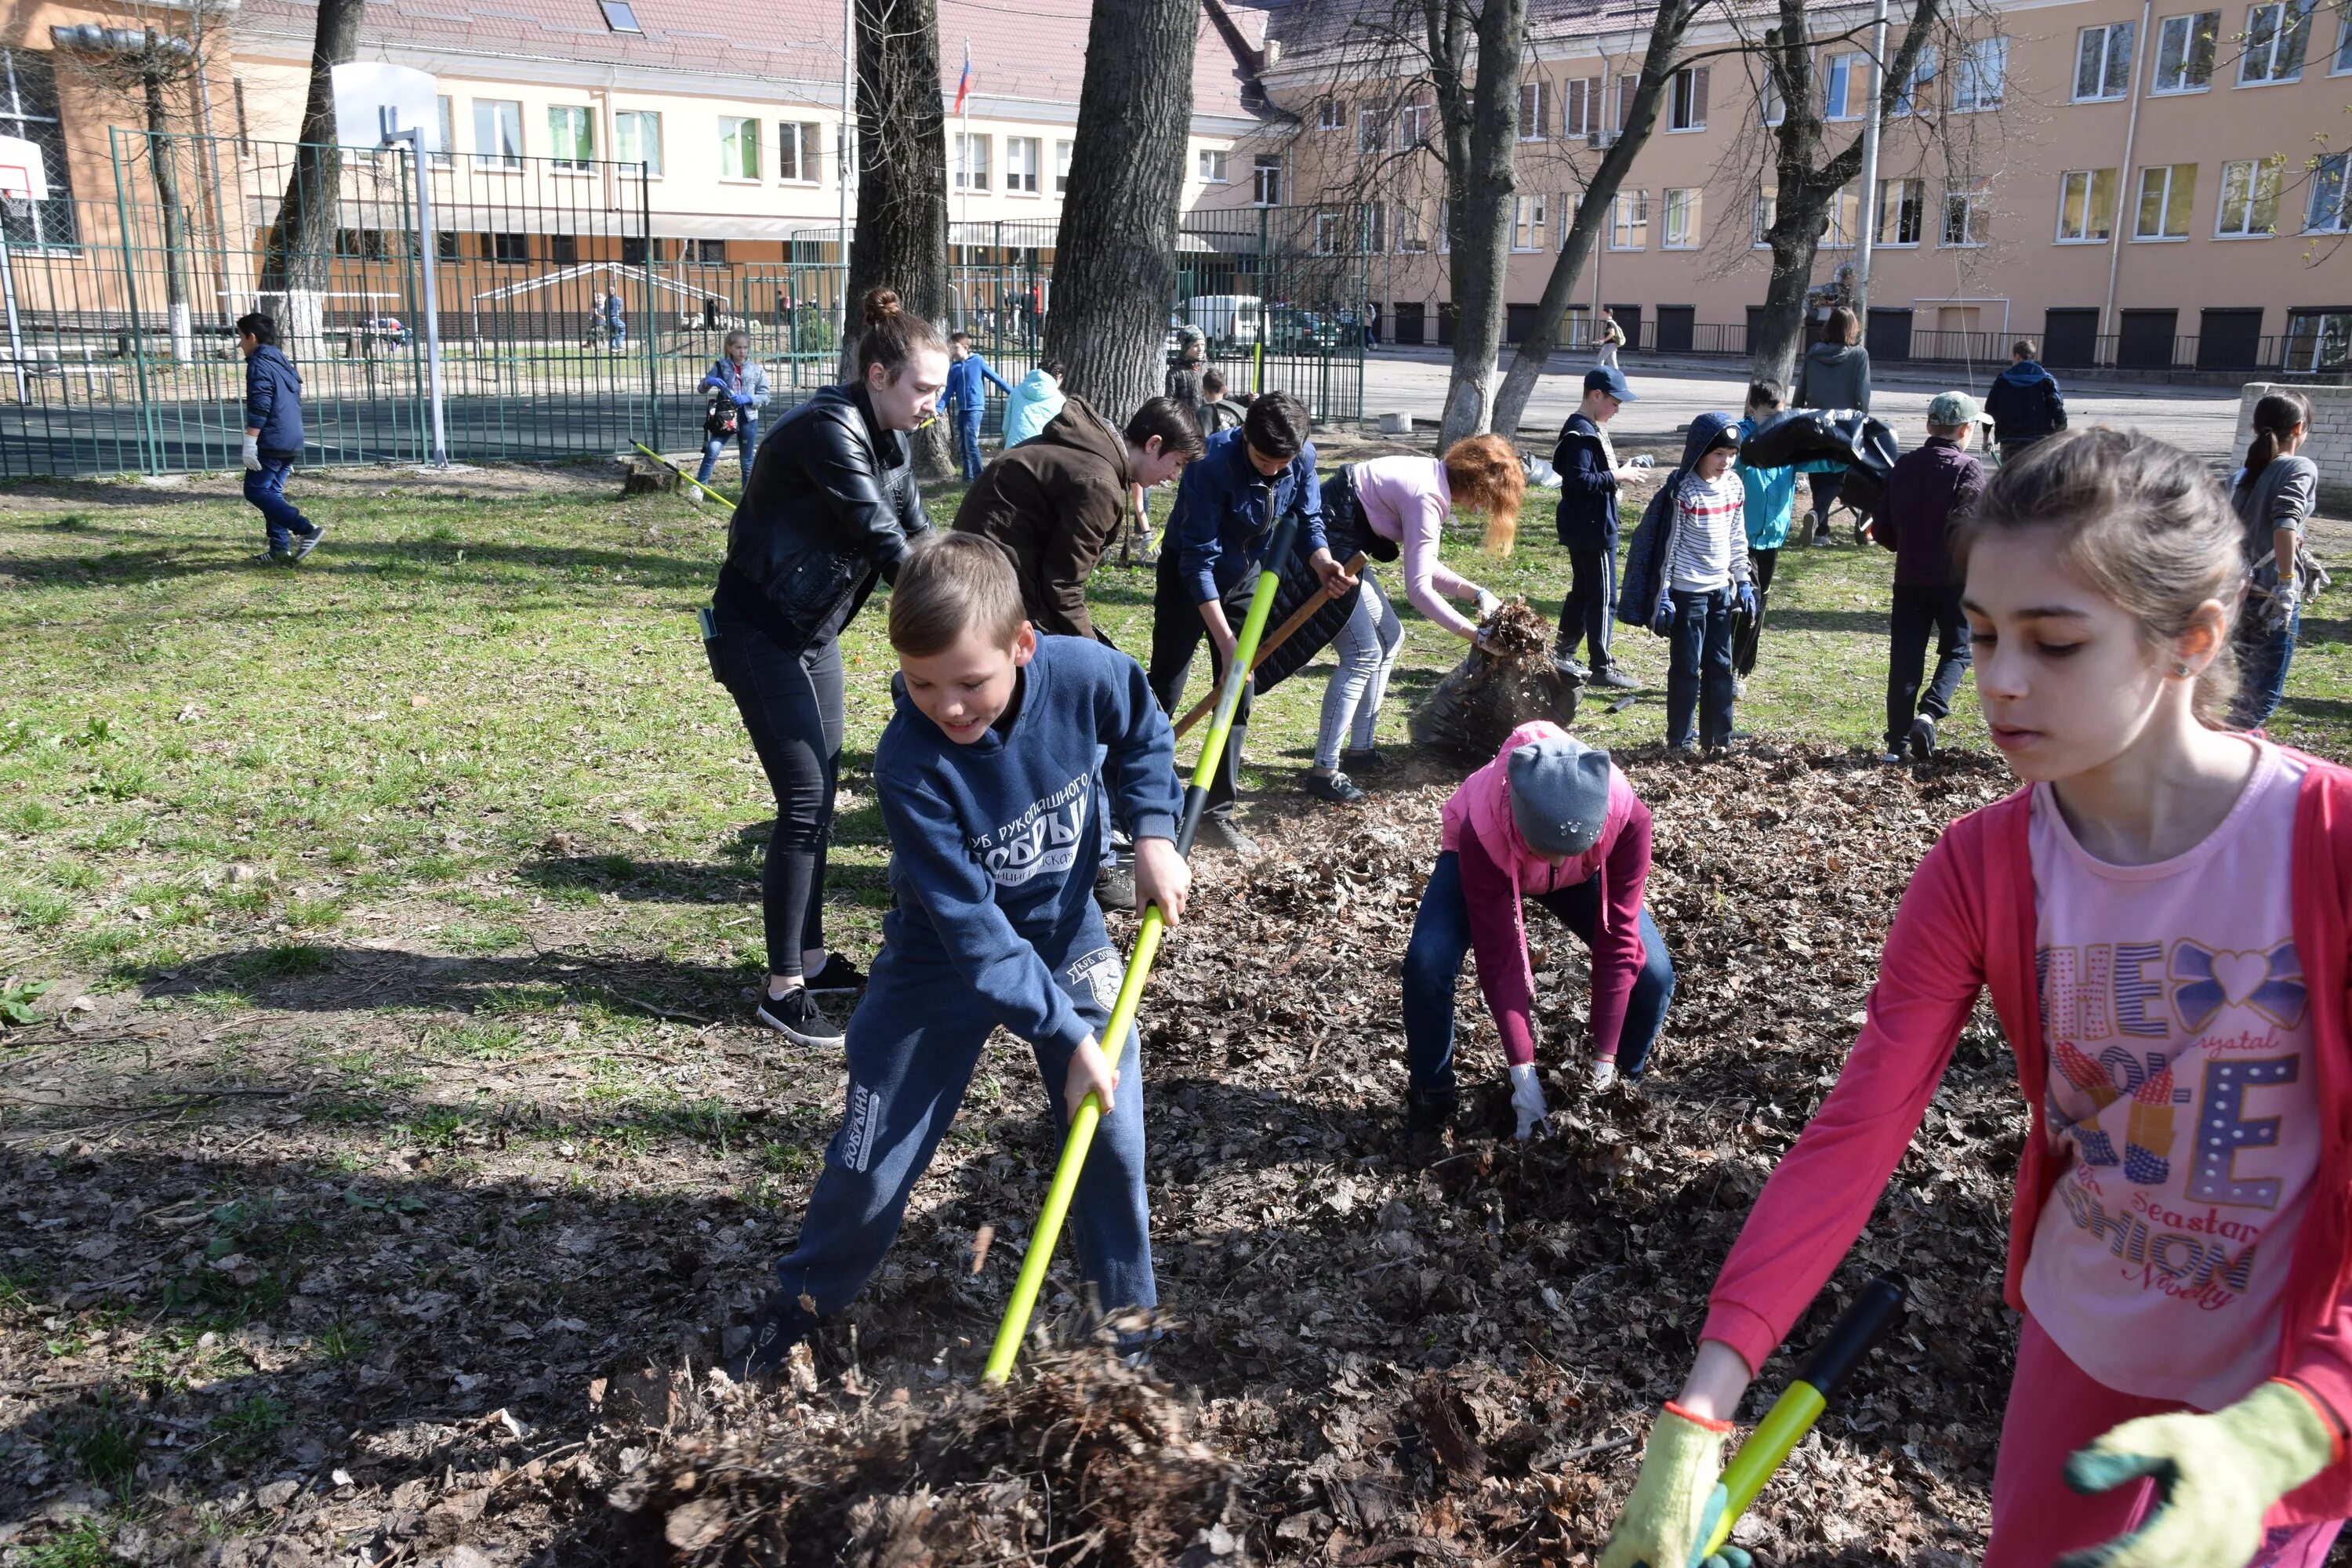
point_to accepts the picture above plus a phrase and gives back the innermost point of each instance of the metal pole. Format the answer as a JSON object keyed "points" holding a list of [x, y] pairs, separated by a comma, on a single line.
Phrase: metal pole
{"points": [[2124, 206], [1866, 207], [429, 247], [15, 337], [848, 110]]}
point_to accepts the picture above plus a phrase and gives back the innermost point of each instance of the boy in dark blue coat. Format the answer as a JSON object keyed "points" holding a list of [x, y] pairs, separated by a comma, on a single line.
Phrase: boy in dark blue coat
{"points": [[988, 784], [273, 438], [1589, 476]]}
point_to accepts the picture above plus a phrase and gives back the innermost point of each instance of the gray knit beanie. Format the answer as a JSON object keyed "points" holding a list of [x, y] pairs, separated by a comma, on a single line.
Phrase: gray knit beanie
{"points": [[1560, 795]]}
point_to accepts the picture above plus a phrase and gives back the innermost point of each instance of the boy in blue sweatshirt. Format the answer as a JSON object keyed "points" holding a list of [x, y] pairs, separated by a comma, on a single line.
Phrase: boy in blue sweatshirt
{"points": [[966, 399], [273, 438], [988, 784]]}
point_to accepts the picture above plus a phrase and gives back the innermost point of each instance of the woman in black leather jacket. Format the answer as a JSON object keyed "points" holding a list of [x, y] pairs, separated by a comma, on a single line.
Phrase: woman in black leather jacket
{"points": [[830, 507]]}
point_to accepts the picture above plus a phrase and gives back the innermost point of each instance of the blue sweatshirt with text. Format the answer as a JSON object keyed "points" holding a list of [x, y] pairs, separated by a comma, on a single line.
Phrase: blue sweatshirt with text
{"points": [[994, 845]]}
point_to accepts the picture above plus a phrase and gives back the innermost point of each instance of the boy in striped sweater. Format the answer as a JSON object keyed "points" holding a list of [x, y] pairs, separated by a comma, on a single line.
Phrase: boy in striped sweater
{"points": [[1708, 577]]}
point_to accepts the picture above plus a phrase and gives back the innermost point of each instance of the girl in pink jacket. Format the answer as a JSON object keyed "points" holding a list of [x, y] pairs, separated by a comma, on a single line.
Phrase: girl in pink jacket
{"points": [[1552, 820], [2160, 916]]}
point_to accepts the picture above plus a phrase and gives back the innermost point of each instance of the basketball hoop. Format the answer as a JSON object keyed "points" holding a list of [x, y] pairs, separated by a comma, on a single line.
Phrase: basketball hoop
{"points": [[23, 177]]}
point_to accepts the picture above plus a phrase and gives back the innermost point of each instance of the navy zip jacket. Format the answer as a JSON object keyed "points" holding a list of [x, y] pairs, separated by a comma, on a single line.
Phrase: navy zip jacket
{"points": [[1588, 490], [964, 394], [994, 845], [273, 403], [1934, 485], [2025, 403], [1221, 525]]}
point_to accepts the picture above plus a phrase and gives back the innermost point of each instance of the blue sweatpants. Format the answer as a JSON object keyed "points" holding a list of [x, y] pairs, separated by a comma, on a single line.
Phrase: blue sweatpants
{"points": [[967, 429], [913, 1042]]}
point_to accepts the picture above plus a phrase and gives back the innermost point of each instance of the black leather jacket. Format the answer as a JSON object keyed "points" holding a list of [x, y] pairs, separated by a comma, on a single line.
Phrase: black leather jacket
{"points": [[831, 507]]}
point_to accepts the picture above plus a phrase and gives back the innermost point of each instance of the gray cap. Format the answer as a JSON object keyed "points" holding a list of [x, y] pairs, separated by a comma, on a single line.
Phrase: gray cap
{"points": [[1560, 795]]}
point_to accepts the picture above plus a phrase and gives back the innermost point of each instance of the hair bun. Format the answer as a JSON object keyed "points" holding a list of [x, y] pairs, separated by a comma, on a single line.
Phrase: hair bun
{"points": [[881, 304]]}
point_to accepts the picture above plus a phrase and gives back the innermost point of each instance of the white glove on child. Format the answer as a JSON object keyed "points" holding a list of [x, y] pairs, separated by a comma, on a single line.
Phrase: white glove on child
{"points": [[2280, 606], [1604, 1071], [1528, 1101], [253, 454], [1488, 604]]}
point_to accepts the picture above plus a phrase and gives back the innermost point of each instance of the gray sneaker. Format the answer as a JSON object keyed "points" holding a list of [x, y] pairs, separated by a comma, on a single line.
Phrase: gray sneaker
{"points": [[305, 542], [1612, 679], [1218, 832]]}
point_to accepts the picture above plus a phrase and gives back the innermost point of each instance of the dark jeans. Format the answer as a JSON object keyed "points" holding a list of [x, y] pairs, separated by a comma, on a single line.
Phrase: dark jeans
{"points": [[2012, 450], [265, 490], [1916, 611], [1825, 489], [747, 437], [2262, 658], [1588, 612], [1699, 679], [1177, 631], [1433, 970], [1761, 564], [967, 429], [790, 703]]}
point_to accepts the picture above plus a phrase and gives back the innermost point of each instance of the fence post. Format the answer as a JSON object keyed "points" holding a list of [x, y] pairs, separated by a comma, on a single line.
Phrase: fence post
{"points": [[415, 137], [653, 327], [148, 457]]}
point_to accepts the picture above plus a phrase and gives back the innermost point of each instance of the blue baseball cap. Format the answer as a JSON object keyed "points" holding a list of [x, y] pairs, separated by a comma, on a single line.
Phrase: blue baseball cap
{"points": [[1608, 379]]}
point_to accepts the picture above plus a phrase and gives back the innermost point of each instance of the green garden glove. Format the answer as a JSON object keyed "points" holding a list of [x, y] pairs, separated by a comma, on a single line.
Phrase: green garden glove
{"points": [[2215, 1476], [1667, 1517]]}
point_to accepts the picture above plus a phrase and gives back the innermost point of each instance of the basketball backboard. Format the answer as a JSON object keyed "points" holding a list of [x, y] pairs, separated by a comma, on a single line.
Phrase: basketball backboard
{"points": [[23, 173], [365, 89]]}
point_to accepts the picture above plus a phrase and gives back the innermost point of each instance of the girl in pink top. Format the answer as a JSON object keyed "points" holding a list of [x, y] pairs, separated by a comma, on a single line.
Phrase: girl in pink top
{"points": [[1404, 501], [2160, 916]]}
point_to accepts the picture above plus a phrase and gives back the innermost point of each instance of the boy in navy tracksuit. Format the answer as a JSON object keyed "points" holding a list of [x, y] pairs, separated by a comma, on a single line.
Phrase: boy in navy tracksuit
{"points": [[273, 438], [988, 784]]}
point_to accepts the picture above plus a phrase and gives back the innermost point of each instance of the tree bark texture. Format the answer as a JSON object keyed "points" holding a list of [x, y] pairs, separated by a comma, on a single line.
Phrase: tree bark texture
{"points": [[902, 184], [1115, 253], [1481, 118], [302, 244], [1666, 31]]}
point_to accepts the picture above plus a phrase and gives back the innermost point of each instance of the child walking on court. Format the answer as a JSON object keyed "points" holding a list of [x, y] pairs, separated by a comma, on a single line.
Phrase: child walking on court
{"points": [[273, 439], [988, 781], [1934, 487], [2162, 916]]}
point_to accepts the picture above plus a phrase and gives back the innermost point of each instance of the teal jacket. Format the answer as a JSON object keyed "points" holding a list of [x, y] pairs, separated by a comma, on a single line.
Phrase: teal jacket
{"points": [[1771, 496]]}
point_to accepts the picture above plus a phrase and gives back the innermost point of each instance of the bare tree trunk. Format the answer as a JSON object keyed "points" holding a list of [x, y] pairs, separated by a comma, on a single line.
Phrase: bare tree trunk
{"points": [[1115, 253], [301, 246], [902, 182], [1481, 123], [1666, 30], [175, 221]]}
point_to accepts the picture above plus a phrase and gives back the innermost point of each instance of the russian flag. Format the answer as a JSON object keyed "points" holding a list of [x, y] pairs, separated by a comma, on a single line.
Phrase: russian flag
{"points": [[963, 83]]}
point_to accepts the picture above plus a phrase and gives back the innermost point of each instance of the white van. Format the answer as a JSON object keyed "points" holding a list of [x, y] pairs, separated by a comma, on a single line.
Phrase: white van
{"points": [[1224, 319]]}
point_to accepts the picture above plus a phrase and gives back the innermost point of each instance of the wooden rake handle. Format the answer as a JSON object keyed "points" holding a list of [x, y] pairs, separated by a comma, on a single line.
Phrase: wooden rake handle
{"points": [[1299, 617]]}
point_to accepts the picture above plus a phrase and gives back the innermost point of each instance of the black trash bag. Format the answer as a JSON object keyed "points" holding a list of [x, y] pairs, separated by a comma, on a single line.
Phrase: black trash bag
{"points": [[1812, 435], [1498, 687]]}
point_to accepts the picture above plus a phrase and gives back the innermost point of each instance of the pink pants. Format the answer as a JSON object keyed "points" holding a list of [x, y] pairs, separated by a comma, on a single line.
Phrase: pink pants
{"points": [[2054, 1408]]}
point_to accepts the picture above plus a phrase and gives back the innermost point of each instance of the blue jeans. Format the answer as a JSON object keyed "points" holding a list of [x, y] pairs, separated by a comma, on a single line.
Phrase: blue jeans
{"points": [[1700, 677], [265, 490], [967, 428], [1433, 970], [2262, 658], [913, 1042], [747, 436]]}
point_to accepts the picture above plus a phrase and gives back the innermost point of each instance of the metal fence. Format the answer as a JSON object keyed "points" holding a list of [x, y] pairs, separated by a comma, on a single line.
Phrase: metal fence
{"points": [[569, 325]]}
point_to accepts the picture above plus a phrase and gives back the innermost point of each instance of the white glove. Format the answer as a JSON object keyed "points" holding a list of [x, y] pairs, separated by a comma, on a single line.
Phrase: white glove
{"points": [[2280, 606], [1488, 604], [1528, 1101], [253, 454], [1604, 1071]]}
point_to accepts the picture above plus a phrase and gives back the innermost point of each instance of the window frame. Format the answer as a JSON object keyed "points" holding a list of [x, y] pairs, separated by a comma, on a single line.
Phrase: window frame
{"points": [[1845, 217], [1036, 188], [2317, 335], [1264, 194], [2340, 62], [1637, 227], [1535, 86], [1065, 150], [2107, 33], [2286, 36], [1410, 226], [2265, 171], [2089, 178], [1917, 207], [625, 10], [1331, 114], [2164, 213], [2189, 83], [968, 173], [2324, 178], [1973, 205], [1530, 223], [565, 161], [445, 118], [1971, 70], [497, 158], [808, 152], [1414, 117], [1921, 87], [1763, 215], [1201, 165], [1687, 95], [1850, 60], [1692, 216], [637, 119], [1580, 109], [747, 134]]}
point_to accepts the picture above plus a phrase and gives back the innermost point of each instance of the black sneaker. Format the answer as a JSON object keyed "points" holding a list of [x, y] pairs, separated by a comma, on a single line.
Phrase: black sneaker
{"points": [[1115, 887], [837, 977], [274, 558], [1371, 760], [1609, 678], [1337, 788], [1218, 832], [1922, 739], [797, 1018], [305, 542], [779, 1326]]}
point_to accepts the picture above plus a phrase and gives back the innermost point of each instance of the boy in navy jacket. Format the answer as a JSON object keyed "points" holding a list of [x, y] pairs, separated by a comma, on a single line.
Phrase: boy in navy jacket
{"points": [[966, 399], [273, 438], [988, 786], [1589, 476]]}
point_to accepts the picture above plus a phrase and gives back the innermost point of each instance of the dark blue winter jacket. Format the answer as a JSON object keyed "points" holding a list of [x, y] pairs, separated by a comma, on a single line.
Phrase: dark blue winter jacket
{"points": [[1645, 596], [2025, 404], [273, 403], [964, 394], [995, 845], [1588, 487], [1220, 525]]}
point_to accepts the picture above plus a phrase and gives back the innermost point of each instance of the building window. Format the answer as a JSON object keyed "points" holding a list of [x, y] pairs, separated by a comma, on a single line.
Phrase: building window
{"points": [[1902, 211], [1331, 114], [710, 252], [445, 245], [572, 137], [2249, 199], [2319, 340], [1580, 106], [507, 250], [1845, 211], [1841, 87], [1327, 234], [1768, 213], [2086, 206], [1687, 107], [1022, 156], [1626, 86], [1920, 91], [2166, 193], [972, 156], [739, 148], [1266, 180], [2331, 195], [563, 249], [637, 134], [498, 134], [619, 16], [799, 153], [1980, 76], [445, 116], [1372, 128], [2343, 66], [1212, 165], [1530, 223], [1629, 224], [2278, 35], [636, 251], [1412, 226], [1413, 123], [1681, 220], [1966, 217], [2184, 52], [1532, 112], [1062, 150], [1771, 107], [2103, 63]]}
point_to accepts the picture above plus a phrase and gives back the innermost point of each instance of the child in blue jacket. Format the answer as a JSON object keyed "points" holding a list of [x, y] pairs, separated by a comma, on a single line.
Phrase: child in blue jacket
{"points": [[988, 786], [1771, 499], [273, 439]]}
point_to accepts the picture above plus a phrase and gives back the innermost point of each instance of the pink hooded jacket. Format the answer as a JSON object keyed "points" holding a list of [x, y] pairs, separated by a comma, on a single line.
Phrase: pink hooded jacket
{"points": [[1498, 871]]}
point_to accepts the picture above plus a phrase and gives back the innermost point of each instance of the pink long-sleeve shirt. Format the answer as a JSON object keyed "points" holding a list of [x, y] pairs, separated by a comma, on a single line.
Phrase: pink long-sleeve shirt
{"points": [[1968, 922], [1408, 500]]}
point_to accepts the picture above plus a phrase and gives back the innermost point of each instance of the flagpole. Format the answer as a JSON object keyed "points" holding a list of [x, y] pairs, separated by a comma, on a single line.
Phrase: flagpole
{"points": [[964, 92]]}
